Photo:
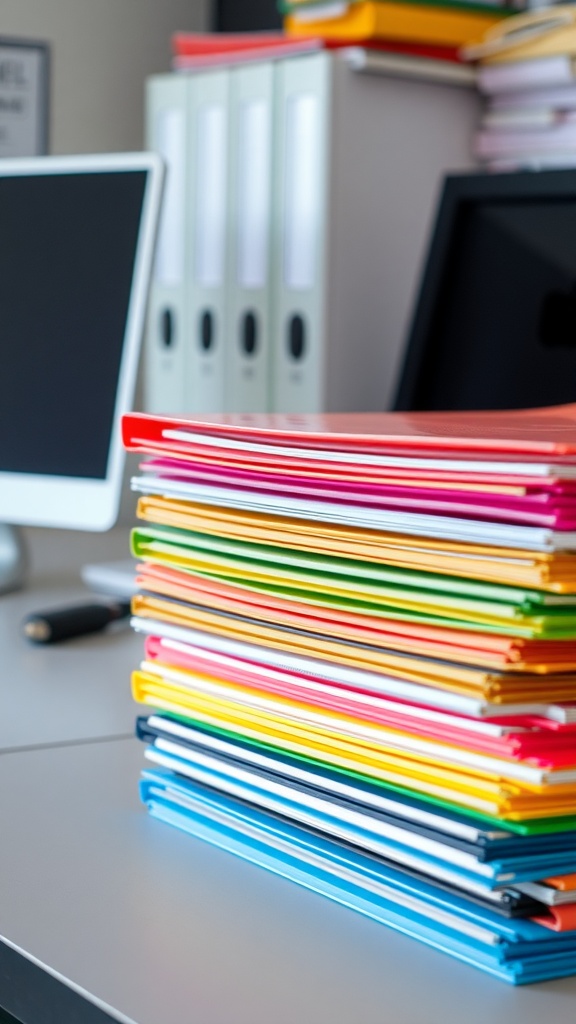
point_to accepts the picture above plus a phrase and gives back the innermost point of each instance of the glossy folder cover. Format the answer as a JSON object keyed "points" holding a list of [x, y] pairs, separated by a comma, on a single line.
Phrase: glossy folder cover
{"points": [[520, 433]]}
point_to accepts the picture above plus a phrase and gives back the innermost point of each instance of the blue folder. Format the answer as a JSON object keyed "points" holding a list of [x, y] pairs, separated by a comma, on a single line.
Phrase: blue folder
{"points": [[490, 858], [515, 950]]}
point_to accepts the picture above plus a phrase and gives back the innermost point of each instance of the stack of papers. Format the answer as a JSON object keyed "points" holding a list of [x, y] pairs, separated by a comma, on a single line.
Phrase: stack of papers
{"points": [[360, 663], [196, 50], [527, 68]]}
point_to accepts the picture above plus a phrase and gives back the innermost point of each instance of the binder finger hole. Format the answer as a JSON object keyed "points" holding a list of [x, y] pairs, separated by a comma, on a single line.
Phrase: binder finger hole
{"points": [[249, 334], [296, 337], [207, 331], [167, 328]]}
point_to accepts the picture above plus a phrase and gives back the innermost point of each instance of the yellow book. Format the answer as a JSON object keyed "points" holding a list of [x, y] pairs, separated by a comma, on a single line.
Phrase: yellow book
{"points": [[441, 26]]}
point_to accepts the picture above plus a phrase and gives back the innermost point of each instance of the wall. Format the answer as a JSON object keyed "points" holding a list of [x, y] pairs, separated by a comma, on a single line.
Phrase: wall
{"points": [[102, 50]]}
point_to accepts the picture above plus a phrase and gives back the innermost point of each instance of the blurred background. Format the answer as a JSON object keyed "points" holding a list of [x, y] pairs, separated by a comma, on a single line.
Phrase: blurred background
{"points": [[103, 52], [230, 16]]}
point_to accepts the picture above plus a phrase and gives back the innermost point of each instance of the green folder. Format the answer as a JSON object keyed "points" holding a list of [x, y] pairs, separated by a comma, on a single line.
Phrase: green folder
{"points": [[536, 826], [362, 587]]}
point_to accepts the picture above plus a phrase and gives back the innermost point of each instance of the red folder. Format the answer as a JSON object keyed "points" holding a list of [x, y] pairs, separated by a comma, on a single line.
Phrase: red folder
{"points": [[223, 44], [559, 919], [517, 434]]}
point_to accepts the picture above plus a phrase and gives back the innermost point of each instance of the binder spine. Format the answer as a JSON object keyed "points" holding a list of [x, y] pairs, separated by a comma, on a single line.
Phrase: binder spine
{"points": [[247, 364], [206, 234], [164, 351], [300, 233]]}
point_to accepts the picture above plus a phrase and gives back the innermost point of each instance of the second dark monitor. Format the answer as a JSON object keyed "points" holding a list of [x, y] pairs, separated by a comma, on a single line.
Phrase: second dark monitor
{"points": [[495, 323]]}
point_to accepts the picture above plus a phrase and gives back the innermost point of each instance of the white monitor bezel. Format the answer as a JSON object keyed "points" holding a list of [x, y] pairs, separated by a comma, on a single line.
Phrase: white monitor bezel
{"points": [[80, 503]]}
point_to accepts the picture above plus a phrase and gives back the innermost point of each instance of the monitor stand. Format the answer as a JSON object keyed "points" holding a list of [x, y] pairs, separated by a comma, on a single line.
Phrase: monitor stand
{"points": [[13, 558]]}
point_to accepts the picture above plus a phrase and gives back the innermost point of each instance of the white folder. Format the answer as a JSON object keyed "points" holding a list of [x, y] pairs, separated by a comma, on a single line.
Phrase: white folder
{"points": [[206, 219], [164, 351], [300, 225], [247, 363], [359, 162]]}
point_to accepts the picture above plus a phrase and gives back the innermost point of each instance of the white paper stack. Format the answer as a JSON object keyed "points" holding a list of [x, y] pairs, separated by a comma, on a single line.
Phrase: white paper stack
{"points": [[527, 69]]}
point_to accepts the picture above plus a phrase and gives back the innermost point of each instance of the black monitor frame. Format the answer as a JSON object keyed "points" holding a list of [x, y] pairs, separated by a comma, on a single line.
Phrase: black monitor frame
{"points": [[459, 190]]}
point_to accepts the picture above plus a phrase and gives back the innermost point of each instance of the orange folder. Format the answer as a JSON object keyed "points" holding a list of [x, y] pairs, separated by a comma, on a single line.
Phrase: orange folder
{"points": [[559, 919], [267, 630], [565, 883], [555, 572]]}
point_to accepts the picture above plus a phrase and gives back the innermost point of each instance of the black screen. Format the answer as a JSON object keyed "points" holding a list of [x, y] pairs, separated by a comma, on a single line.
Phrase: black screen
{"points": [[231, 16], [67, 250], [500, 331]]}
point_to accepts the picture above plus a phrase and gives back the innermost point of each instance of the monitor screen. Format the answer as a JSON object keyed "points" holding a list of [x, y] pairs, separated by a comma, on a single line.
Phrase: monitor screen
{"points": [[76, 244], [65, 279], [495, 326]]}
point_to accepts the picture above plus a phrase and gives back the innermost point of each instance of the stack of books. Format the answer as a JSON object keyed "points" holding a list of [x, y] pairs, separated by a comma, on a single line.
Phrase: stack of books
{"points": [[527, 69], [403, 57], [360, 663], [442, 27]]}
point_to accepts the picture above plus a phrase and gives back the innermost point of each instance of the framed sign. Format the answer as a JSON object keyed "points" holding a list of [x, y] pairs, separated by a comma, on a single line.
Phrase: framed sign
{"points": [[24, 97]]}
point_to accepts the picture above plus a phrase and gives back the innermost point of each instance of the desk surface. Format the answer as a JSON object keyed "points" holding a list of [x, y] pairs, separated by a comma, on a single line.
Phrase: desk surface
{"points": [[159, 927], [69, 692], [150, 925]]}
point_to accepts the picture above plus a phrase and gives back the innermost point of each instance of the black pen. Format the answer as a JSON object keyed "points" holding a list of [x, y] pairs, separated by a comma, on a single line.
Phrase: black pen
{"points": [[76, 620]]}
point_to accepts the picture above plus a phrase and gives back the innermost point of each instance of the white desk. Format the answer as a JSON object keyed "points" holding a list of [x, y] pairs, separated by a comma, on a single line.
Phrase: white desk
{"points": [[107, 914], [69, 692]]}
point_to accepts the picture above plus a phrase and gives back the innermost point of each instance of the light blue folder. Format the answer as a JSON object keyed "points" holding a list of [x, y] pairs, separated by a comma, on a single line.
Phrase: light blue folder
{"points": [[514, 950]]}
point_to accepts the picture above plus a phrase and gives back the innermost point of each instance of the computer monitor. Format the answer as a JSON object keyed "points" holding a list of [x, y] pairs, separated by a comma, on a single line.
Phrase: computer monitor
{"points": [[495, 323], [77, 239]]}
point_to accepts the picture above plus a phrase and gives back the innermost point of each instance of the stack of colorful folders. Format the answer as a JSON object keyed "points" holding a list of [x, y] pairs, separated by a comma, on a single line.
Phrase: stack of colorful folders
{"points": [[527, 69], [360, 663]]}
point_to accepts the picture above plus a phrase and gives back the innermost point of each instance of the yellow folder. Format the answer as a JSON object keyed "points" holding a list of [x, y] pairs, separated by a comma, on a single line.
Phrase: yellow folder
{"points": [[441, 26], [477, 790]]}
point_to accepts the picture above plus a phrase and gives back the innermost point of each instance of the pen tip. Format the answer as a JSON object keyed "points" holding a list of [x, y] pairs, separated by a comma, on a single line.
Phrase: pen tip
{"points": [[37, 629]]}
